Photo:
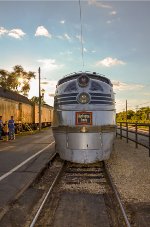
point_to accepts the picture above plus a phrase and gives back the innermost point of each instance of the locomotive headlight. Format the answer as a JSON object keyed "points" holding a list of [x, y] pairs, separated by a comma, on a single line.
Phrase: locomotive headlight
{"points": [[83, 129], [83, 98], [83, 80]]}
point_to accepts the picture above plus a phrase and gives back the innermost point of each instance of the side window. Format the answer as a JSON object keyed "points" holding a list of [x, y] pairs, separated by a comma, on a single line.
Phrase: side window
{"points": [[96, 86]]}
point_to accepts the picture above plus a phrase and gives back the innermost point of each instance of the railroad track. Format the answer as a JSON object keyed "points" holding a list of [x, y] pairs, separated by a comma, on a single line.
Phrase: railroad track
{"points": [[81, 195]]}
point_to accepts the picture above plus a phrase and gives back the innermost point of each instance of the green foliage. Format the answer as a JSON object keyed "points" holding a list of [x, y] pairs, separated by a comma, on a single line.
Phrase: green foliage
{"points": [[142, 115], [4, 81], [35, 100], [17, 80]]}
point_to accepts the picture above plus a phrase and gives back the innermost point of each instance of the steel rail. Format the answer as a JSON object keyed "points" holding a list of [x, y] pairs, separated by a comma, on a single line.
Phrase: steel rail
{"points": [[45, 198], [117, 197]]}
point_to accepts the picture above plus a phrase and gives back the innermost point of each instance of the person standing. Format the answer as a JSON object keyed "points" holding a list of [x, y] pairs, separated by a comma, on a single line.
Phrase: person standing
{"points": [[1, 128], [11, 126], [6, 131]]}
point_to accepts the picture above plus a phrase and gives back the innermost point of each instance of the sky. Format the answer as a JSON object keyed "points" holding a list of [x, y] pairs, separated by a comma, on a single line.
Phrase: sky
{"points": [[47, 34]]}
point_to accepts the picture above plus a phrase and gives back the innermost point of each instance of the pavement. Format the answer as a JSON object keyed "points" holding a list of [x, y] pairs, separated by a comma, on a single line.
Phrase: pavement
{"points": [[21, 161]]}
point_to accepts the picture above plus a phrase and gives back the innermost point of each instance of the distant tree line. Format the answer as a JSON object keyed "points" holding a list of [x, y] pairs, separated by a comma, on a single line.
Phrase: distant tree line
{"points": [[141, 115]]}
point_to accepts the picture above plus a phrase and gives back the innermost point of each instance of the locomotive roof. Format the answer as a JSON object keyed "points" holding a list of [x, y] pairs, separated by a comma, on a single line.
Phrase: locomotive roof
{"points": [[13, 96], [93, 75]]}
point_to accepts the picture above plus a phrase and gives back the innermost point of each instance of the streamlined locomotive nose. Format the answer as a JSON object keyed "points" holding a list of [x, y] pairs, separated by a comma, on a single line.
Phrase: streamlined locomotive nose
{"points": [[84, 117]]}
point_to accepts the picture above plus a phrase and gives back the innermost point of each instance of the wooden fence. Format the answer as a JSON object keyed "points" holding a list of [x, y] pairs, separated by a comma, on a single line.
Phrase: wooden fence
{"points": [[135, 132]]}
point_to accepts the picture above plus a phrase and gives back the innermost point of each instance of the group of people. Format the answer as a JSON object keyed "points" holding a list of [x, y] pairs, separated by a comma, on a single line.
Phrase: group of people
{"points": [[11, 128]]}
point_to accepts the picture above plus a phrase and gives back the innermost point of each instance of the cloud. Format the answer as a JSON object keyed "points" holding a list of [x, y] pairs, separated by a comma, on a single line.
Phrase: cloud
{"points": [[108, 62], [66, 53], [16, 33], [85, 50], [79, 38], [49, 64], [113, 13], [50, 91], [127, 88], [44, 82], [42, 31], [121, 86], [67, 37], [60, 37], [48, 85], [64, 37], [62, 22], [120, 105], [99, 4], [133, 104], [146, 93], [3, 31]]}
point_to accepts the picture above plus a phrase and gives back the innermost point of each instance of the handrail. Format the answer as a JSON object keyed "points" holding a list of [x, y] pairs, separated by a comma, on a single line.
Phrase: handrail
{"points": [[126, 126]]}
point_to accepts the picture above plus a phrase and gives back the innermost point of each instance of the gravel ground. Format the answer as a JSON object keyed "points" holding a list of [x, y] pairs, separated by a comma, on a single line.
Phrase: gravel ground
{"points": [[93, 188], [130, 170], [81, 179]]}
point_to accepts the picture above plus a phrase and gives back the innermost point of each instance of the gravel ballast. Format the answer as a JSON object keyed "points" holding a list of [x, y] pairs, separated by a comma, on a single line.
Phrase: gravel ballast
{"points": [[130, 171]]}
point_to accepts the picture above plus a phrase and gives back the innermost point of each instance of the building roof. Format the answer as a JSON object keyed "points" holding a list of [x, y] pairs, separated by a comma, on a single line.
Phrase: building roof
{"points": [[13, 96], [46, 105]]}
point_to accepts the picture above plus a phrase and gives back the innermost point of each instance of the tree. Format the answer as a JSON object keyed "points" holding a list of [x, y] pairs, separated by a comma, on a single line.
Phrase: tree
{"points": [[17, 80], [4, 75], [35, 99], [141, 115], [130, 114]]}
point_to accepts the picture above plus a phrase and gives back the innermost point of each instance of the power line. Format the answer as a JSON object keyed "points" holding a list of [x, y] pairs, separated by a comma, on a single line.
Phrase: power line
{"points": [[133, 105], [143, 103], [81, 40]]}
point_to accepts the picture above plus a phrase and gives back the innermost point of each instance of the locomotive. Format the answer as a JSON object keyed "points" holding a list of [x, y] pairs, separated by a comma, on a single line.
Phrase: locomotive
{"points": [[84, 122]]}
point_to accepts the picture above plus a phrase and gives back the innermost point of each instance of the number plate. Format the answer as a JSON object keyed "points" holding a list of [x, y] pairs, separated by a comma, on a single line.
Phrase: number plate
{"points": [[83, 118]]}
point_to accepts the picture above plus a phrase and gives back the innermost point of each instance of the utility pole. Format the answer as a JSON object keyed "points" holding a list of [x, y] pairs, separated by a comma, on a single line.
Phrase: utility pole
{"points": [[136, 112], [39, 99], [126, 109]]}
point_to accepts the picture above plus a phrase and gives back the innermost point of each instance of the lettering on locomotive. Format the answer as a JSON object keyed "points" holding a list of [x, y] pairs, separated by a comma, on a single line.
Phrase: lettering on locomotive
{"points": [[84, 118]]}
